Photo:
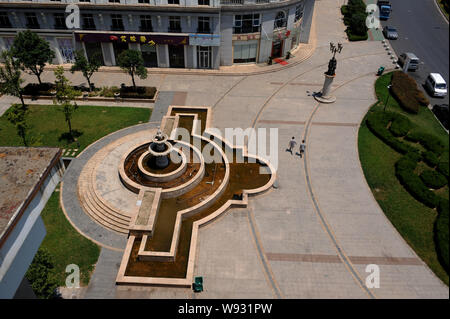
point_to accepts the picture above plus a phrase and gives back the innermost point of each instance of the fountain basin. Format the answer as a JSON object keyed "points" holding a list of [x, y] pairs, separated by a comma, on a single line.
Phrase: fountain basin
{"points": [[154, 175]]}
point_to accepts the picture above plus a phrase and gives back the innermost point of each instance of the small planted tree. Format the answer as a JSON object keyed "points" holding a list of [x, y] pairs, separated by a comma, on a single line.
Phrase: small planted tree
{"points": [[10, 76], [16, 115], [41, 275], [88, 68], [132, 62], [32, 51], [65, 94]]}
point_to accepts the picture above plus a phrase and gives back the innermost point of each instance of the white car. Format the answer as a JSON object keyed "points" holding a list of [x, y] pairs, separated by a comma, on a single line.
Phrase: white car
{"points": [[435, 85]]}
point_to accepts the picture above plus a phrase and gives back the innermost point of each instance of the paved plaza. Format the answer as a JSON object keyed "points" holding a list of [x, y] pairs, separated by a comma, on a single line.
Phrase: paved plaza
{"points": [[313, 235]]}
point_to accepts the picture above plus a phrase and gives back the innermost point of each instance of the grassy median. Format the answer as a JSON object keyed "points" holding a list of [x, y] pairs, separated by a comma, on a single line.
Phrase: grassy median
{"points": [[413, 220], [47, 126]]}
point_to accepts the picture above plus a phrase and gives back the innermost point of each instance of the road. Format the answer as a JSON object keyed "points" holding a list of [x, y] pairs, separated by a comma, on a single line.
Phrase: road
{"points": [[424, 31]]}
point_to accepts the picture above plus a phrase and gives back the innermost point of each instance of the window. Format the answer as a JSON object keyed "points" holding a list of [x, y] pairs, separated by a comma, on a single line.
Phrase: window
{"points": [[32, 21], [84, 0], [203, 25], [88, 22], [60, 21], [146, 23], [114, 1], [117, 23], [245, 51], [174, 24], [173, 1], [247, 23], [203, 2], [144, 1], [4, 20], [280, 20], [298, 12]]}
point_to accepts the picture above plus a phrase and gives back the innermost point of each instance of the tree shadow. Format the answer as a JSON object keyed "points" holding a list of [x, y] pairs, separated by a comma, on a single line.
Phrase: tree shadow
{"points": [[69, 138]]}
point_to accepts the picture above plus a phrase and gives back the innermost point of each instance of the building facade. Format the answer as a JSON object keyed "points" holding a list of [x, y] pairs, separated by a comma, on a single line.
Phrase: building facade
{"points": [[193, 34], [29, 177]]}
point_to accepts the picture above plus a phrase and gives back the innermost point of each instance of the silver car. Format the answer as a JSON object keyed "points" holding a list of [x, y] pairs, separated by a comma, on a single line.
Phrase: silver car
{"points": [[390, 33]]}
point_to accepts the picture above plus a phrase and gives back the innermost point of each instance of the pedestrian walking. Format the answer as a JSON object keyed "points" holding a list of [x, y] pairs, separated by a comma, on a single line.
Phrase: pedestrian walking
{"points": [[302, 148], [292, 144]]}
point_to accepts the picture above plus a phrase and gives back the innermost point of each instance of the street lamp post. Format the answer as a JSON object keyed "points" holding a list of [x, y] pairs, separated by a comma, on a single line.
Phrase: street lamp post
{"points": [[324, 95], [387, 99]]}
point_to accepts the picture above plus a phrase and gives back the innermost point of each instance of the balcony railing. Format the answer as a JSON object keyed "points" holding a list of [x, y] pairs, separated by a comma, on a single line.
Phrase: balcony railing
{"points": [[232, 2], [241, 2], [175, 30]]}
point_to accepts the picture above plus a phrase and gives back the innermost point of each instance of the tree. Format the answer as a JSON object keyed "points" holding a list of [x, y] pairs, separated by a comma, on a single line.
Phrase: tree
{"points": [[133, 63], [88, 68], [10, 76], [16, 115], [33, 52], [65, 94], [41, 276]]}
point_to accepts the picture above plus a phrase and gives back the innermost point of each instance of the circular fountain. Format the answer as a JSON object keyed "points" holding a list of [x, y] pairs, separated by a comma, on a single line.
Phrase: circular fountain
{"points": [[159, 150]]}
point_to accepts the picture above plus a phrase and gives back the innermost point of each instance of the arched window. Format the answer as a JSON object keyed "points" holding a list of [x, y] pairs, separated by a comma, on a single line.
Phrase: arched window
{"points": [[280, 19]]}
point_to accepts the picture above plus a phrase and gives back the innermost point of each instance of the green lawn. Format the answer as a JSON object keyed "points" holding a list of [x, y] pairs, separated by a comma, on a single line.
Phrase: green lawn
{"points": [[445, 8], [65, 244], [47, 126], [413, 220]]}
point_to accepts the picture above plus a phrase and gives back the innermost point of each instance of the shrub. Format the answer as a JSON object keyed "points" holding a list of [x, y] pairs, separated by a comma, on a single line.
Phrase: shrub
{"points": [[404, 89], [430, 158], [109, 91], [442, 168], [344, 10], [141, 92], [357, 24], [377, 123], [353, 37], [404, 170], [433, 179], [429, 141], [400, 125], [421, 98], [441, 233], [36, 89], [41, 277]]}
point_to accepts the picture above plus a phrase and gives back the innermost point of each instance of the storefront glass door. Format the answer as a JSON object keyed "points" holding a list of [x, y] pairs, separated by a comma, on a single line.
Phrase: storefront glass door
{"points": [[203, 57], [119, 47], [94, 51], [149, 55], [277, 48], [176, 56]]}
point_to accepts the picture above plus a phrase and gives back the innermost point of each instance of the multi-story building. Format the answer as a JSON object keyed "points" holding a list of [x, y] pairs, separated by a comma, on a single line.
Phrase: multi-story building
{"points": [[169, 33]]}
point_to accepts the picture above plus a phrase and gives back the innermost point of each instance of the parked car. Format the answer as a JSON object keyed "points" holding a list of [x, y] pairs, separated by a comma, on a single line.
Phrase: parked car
{"points": [[390, 33], [441, 112], [413, 60], [435, 85]]}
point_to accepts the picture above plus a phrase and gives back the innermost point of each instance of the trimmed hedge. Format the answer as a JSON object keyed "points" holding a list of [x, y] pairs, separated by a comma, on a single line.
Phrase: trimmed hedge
{"points": [[140, 92], [377, 123], [355, 19], [430, 158], [433, 179], [429, 141], [400, 125], [441, 233], [404, 170], [443, 168], [405, 91]]}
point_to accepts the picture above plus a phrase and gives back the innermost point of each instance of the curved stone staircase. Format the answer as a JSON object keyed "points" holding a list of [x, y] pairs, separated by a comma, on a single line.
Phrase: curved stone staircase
{"points": [[96, 207]]}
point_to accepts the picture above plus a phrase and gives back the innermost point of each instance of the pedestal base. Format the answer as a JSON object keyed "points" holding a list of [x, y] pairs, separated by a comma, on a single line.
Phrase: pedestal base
{"points": [[324, 96], [325, 99]]}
